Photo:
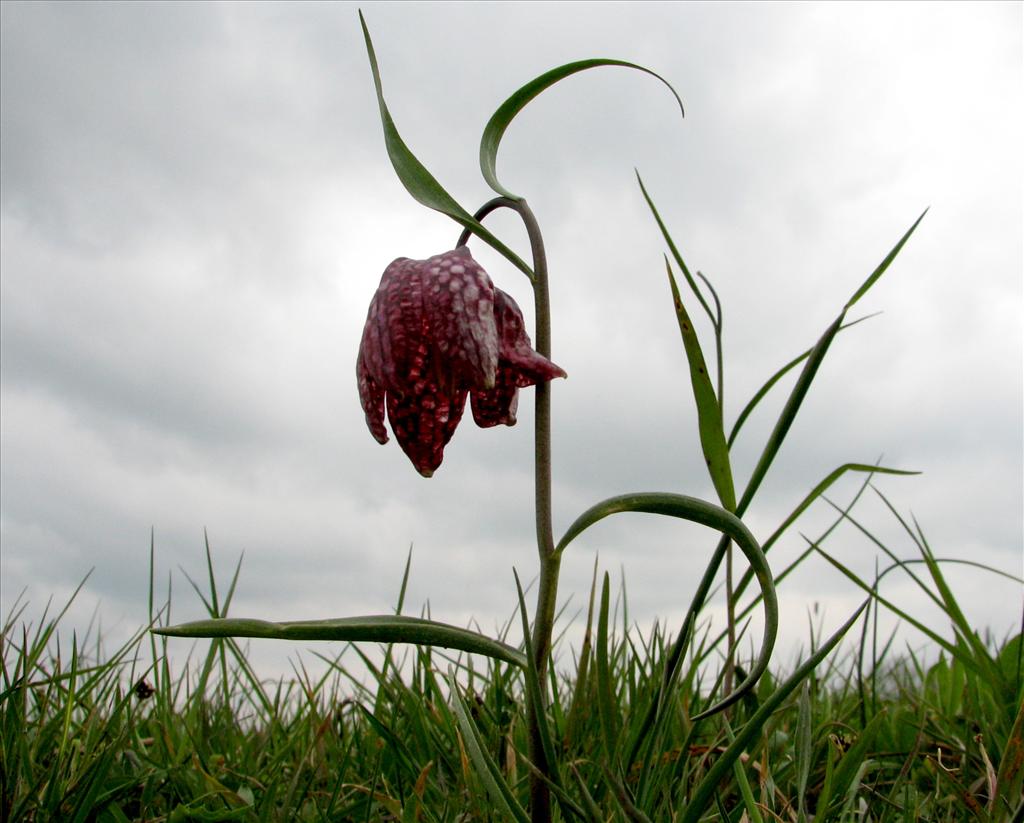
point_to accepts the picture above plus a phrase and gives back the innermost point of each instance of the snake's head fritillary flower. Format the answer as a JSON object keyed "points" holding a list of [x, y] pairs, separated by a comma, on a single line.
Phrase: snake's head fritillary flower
{"points": [[437, 330]]}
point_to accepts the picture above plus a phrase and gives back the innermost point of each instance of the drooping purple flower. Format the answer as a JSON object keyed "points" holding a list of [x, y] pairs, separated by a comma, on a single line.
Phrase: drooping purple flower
{"points": [[437, 330]]}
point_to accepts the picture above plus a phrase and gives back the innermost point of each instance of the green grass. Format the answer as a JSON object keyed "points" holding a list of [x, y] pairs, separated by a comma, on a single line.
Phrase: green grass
{"points": [[861, 735]]}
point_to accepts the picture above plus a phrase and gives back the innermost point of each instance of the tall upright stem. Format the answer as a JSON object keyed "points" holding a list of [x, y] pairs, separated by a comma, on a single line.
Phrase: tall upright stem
{"points": [[547, 592]]}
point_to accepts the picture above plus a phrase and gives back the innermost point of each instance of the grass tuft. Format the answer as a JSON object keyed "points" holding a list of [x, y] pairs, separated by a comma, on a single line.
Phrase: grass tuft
{"points": [[852, 733]]}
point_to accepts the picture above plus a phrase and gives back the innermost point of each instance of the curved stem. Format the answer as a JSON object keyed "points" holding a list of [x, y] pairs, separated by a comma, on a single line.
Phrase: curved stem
{"points": [[544, 620]]}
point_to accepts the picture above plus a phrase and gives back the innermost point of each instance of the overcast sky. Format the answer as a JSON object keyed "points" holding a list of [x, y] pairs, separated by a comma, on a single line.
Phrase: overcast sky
{"points": [[197, 207]]}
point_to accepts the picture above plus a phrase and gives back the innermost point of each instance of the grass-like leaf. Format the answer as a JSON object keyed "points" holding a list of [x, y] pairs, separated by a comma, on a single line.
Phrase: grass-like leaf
{"points": [[775, 378], [789, 412], [814, 494], [535, 694], [807, 375], [846, 771], [675, 253], [881, 267], [382, 628], [704, 792], [507, 111], [804, 750], [419, 182], [487, 770], [1011, 768], [605, 702], [709, 410], [707, 514], [753, 813]]}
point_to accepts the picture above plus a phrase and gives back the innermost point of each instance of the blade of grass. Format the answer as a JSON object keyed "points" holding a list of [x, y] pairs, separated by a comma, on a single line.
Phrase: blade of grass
{"points": [[675, 251], [1010, 776], [534, 693], [981, 654], [605, 700], [753, 812], [808, 373], [809, 498], [886, 262], [932, 635], [486, 769], [577, 709], [804, 750], [702, 795], [759, 395]]}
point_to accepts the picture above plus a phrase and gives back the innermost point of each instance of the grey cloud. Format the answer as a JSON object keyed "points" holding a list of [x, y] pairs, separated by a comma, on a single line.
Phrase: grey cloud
{"points": [[197, 208]]}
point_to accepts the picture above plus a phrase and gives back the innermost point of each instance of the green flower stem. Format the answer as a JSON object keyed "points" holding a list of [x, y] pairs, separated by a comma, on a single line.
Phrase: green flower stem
{"points": [[544, 620]]}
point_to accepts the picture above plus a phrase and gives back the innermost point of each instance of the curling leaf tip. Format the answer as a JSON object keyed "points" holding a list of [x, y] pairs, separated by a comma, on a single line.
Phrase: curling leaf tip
{"points": [[507, 111]]}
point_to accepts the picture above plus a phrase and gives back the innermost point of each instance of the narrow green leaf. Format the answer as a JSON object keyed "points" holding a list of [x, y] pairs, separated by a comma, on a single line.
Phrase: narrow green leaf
{"points": [[880, 270], [825, 792], [500, 120], [803, 383], [621, 795], [775, 378], [707, 514], [705, 791], [565, 800], [809, 498], [549, 768], [847, 769], [580, 708], [753, 812], [917, 624], [982, 656], [385, 628], [405, 582], [789, 412], [675, 253], [804, 750], [589, 804], [71, 699], [419, 182], [215, 610], [487, 770], [897, 563], [1011, 768], [709, 412], [605, 700]]}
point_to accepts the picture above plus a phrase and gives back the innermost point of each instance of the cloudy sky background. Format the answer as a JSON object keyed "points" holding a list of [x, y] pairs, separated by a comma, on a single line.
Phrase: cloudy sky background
{"points": [[197, 207]]}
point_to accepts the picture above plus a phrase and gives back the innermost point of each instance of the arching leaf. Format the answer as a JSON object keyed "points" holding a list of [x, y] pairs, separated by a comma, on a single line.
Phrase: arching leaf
{"points": [[707, 514], [705, 791], [384, 628], [419, 182], [495, 128]]}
